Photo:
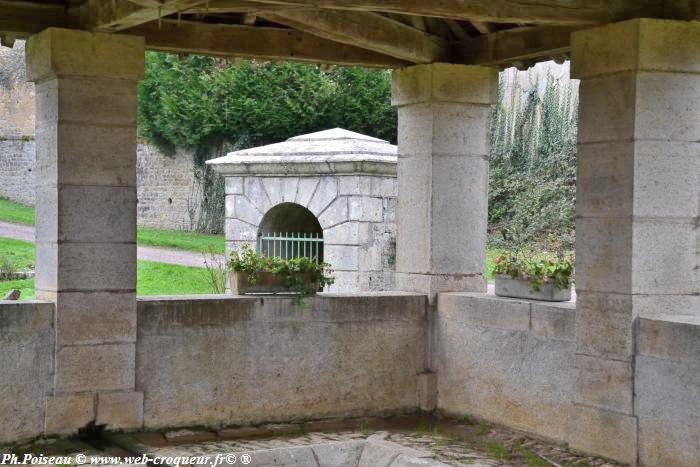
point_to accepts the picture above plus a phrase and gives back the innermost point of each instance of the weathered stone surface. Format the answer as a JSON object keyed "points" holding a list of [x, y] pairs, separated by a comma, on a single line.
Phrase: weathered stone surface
{"points": [[338, 454], [67, 414], [95, 368], [335, 213], [120, 410], [636, 45], [427, 391], [553, 321], [322, 361], [234, 186], [605, 433], [492, 365], [605, 384], [342, 257], [674, 338], [604, 325], [26, 356], [64, 52]]}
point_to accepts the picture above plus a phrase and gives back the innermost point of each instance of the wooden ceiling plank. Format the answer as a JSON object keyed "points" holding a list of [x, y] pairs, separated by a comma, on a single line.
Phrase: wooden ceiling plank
{"points": [[369, 31], [255, 42]]}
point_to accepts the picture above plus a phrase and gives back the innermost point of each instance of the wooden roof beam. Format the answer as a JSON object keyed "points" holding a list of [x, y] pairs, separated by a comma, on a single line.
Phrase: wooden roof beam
{"points": [[117, 15], [572, 12], [21, 19], [369, 31], [255, 42]]}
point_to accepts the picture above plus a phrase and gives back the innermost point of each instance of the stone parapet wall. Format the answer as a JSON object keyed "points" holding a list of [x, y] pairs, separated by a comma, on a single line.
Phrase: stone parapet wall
{"points": [[235, 360], [507, 361], [26, 371]]}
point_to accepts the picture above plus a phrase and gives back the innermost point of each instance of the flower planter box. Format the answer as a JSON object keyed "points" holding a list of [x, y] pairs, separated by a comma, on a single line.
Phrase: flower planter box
{"points": [[267, 284], [506, 286]]}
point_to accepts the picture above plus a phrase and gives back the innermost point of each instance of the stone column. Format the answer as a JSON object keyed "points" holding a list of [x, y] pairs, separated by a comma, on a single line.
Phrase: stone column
{"points": [[637, 213], [444, 119], [86, 88]]}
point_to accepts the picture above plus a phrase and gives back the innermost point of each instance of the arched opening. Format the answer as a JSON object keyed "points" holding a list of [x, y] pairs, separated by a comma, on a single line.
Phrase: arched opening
{"points": [[289, 230]]}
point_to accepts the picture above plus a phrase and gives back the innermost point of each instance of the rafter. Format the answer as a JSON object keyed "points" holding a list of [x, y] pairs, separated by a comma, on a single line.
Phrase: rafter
{"points": [[21, 19], [514, 46], [370, 31], [573, 12], [255, 42], [117, 15]]}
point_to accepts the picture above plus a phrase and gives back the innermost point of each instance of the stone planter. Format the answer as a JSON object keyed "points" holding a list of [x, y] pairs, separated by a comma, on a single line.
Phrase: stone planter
{"points": [[506, 286], [268, 283]]}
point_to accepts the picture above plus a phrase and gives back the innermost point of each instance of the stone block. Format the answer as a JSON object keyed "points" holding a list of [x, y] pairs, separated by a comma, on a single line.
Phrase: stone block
{"points": [[607, 108], [306, 190], [67, 414], [370, 259], [87, 214], [384, 187], [88, 155], [345, 281], [69, 52], [444, 82], [338, 454], [605, 179], [669, 306], [432, 285], [281, 189], [665, 174], [354, 185], [413, 240], [604, 433], [481, 310], [237, 230], [234, 185], [342, 257], [255, 192], [461, 130], [604, 325], [120, 410], [604, 254], [553, 321], [326, 192], [86, 267], [674, 338], [347, 233], [336, 213], [665, 258], [95, 368], [239, 207], [667, 106], [604, 384], [635, 45], [458, 215], [365, 208], [109, 102], [94, 317]]}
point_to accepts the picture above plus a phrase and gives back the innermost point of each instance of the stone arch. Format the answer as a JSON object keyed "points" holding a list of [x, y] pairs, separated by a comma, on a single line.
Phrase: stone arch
{"points": [[291, 218]]}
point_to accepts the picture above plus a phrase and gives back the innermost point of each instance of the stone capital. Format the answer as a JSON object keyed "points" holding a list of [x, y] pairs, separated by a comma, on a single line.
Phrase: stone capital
{"points": [[62, 53], [639, 45], [445, 83]]}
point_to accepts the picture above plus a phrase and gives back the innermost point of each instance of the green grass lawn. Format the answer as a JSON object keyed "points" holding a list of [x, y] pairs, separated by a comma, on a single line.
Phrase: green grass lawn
{"points": [[16, 213], [152, 278], [172, 239]]}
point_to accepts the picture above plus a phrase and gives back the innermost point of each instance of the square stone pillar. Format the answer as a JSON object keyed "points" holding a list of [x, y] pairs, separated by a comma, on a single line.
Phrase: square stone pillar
{"points": [[443, 136], [637, 223], [86, 86]]}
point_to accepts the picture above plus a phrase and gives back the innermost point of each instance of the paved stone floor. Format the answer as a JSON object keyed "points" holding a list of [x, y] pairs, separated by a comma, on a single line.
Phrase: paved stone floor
{"points": [[442, 441]]}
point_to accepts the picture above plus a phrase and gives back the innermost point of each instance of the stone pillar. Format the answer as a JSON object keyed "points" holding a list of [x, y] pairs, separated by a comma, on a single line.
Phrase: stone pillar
{"points": [[637, 213], [444, 119], [86, 87]]}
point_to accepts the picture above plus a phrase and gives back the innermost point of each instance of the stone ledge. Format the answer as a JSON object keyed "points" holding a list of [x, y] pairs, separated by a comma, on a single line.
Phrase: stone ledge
{"points": [[675, 338]]}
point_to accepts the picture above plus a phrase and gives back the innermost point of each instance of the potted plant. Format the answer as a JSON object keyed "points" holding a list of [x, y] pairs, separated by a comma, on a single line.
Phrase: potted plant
{"points": [[253, 273], [532, 276]]}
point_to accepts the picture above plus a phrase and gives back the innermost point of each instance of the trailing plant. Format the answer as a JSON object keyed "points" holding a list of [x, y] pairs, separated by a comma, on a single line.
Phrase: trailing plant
{"points": [[294, 271]]}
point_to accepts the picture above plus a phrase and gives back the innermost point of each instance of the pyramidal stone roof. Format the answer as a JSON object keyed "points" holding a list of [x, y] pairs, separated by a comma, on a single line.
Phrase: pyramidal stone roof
{"points": [[335, 151]]}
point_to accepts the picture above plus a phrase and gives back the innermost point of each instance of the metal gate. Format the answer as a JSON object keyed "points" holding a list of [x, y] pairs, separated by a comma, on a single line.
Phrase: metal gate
{"points": [[287, 245]]}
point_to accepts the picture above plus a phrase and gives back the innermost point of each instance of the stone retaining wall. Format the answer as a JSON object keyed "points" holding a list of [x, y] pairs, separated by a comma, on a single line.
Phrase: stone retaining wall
{"points": [[507, 361], [235, 360]]}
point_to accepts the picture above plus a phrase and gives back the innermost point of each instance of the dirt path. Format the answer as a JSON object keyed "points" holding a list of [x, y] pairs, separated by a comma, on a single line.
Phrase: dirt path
{"points": [[160, 255]]}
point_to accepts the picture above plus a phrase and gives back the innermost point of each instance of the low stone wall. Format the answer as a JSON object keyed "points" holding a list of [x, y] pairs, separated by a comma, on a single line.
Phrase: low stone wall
{"points": [[506, 361], [667, 388], [238, 360], [26, 370]]}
